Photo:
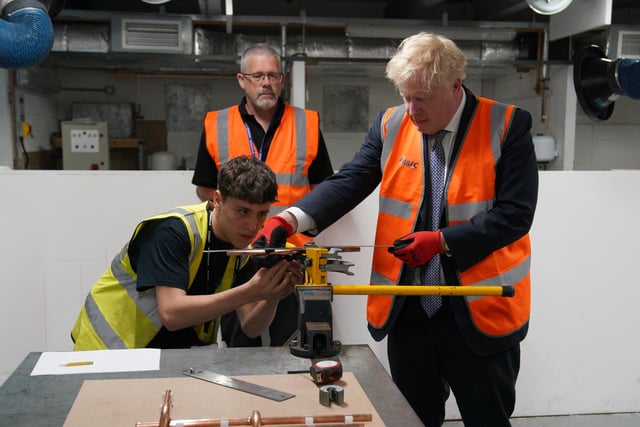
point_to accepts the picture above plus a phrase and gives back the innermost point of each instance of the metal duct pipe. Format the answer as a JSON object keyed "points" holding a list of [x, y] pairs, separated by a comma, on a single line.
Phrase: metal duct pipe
{"points": [[26, 33], [283, 43], [216, 53]]}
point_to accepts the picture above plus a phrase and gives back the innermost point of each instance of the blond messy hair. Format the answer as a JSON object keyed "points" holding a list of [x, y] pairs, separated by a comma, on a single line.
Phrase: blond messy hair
{"points": [[428, 59]]}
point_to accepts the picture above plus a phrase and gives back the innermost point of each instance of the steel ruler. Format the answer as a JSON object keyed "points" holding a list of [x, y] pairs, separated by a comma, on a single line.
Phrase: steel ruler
{"points": [[237, 384]]}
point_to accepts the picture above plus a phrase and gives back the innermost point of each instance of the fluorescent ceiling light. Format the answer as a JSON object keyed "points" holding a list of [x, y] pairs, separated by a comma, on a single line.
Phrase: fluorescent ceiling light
{"points": [[156, 1], [454, 33]]}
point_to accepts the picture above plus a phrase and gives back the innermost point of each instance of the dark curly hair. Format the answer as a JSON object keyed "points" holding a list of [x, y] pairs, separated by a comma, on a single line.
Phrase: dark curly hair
{"points": [[249, 179]]}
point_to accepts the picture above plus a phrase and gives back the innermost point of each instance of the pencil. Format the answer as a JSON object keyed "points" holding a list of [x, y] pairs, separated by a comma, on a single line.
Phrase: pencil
{"points": [[84, 363]]}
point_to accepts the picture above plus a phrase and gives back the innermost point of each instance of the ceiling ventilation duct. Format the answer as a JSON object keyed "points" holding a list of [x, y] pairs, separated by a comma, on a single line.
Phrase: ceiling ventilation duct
{"points": [[153, 35], [148, 43], [617, 40], [625, 43], [37, 79]]}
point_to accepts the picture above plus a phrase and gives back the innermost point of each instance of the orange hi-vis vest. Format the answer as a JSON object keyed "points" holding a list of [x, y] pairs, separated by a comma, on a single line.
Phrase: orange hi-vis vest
{"points": [[469, 190], [293, 149]]}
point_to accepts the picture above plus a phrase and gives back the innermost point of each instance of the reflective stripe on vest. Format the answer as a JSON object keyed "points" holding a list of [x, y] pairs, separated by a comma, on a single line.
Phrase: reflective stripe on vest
{"points": [[515, 275], [470, 189]]}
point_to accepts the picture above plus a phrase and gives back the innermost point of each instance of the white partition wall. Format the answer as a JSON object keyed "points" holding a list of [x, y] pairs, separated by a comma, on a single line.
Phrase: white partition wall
{"points": [[60, 229]]}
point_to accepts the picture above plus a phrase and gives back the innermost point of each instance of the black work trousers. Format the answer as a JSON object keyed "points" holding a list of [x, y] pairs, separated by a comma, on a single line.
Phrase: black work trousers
{"points": [[428, 357]]}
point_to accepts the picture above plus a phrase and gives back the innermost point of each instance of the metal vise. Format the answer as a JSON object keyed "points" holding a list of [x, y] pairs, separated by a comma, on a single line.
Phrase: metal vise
{"points": [[315, 318]]}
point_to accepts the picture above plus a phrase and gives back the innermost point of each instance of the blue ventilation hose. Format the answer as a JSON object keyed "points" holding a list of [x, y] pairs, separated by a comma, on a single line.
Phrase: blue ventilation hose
{"points": [[26, 36], [629, 77]]}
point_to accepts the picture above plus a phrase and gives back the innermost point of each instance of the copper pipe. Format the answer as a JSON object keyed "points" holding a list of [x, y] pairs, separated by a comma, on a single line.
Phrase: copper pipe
{"points": [[255, 420], [165, 410], [216, 423], [328, 425]]}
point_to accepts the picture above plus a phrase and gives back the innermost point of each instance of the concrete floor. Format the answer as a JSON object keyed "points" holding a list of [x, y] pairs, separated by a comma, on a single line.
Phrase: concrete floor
{"points": [[595, 420]]}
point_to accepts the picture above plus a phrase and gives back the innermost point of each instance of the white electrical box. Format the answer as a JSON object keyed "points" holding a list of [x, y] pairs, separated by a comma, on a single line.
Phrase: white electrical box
{"points": [[85, 146]]}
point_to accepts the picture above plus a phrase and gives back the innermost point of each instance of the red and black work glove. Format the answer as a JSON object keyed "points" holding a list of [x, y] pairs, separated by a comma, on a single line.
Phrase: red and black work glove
{"points": [[273, 234], [416, 249]]}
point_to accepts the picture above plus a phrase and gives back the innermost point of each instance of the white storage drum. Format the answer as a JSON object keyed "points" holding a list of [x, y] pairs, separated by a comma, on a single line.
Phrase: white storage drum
{"points": [[162, 160], [545, 147]]}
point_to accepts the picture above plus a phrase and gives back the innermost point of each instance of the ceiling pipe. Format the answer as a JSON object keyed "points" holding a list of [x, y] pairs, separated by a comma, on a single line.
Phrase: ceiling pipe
{"points": [[228, 9], [488, 45]]}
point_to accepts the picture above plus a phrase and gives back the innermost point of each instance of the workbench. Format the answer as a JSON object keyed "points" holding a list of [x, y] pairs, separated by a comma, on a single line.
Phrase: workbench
{"points": [[33, 401]]}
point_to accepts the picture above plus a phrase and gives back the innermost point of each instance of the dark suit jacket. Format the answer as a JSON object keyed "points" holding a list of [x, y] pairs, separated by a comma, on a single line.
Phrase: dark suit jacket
{"points": [[510, 218]]}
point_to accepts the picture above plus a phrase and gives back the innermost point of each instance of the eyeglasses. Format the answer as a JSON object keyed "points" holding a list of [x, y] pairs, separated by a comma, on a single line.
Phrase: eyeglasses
{"points": [[257, 77]]}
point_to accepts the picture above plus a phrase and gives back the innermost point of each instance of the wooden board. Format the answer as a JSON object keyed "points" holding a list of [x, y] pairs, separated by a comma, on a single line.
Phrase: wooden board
{"points": [[154, 133], [125, 402]]}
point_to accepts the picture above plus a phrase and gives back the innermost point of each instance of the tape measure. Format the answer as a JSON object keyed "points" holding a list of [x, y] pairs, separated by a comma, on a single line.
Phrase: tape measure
{"points": [[326, 371]]}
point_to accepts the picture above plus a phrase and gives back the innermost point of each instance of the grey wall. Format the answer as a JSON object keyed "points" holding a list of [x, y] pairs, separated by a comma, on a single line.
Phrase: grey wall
{"points": [[182, 100]]}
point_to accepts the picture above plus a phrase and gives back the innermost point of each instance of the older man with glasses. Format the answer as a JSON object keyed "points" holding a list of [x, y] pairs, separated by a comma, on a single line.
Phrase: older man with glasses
{"points": [[287, 138]]}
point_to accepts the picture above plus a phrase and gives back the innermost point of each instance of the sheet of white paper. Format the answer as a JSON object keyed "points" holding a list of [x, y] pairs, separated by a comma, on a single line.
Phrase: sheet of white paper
{"points": [[62, 362]]}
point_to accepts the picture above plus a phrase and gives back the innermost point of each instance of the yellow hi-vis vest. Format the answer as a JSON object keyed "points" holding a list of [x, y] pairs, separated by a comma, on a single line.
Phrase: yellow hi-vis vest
{"points": [[293, 149], [116, 316], [470, 190]]}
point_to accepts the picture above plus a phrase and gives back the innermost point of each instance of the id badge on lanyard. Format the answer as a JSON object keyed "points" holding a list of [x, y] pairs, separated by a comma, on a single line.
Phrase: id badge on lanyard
{"points": [[208, 332]]}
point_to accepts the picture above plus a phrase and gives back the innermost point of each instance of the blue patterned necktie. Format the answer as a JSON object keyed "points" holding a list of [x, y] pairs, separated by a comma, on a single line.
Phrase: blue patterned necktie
{"points": [[431, 271]]}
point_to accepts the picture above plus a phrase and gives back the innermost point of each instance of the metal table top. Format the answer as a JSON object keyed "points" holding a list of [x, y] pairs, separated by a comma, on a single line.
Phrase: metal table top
{"points": [[45, 400]]}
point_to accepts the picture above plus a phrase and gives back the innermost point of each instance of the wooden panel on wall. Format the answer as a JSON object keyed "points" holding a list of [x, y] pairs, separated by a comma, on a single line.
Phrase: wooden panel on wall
{"points": [[154, 134], [123, 159], [41, 159]]}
